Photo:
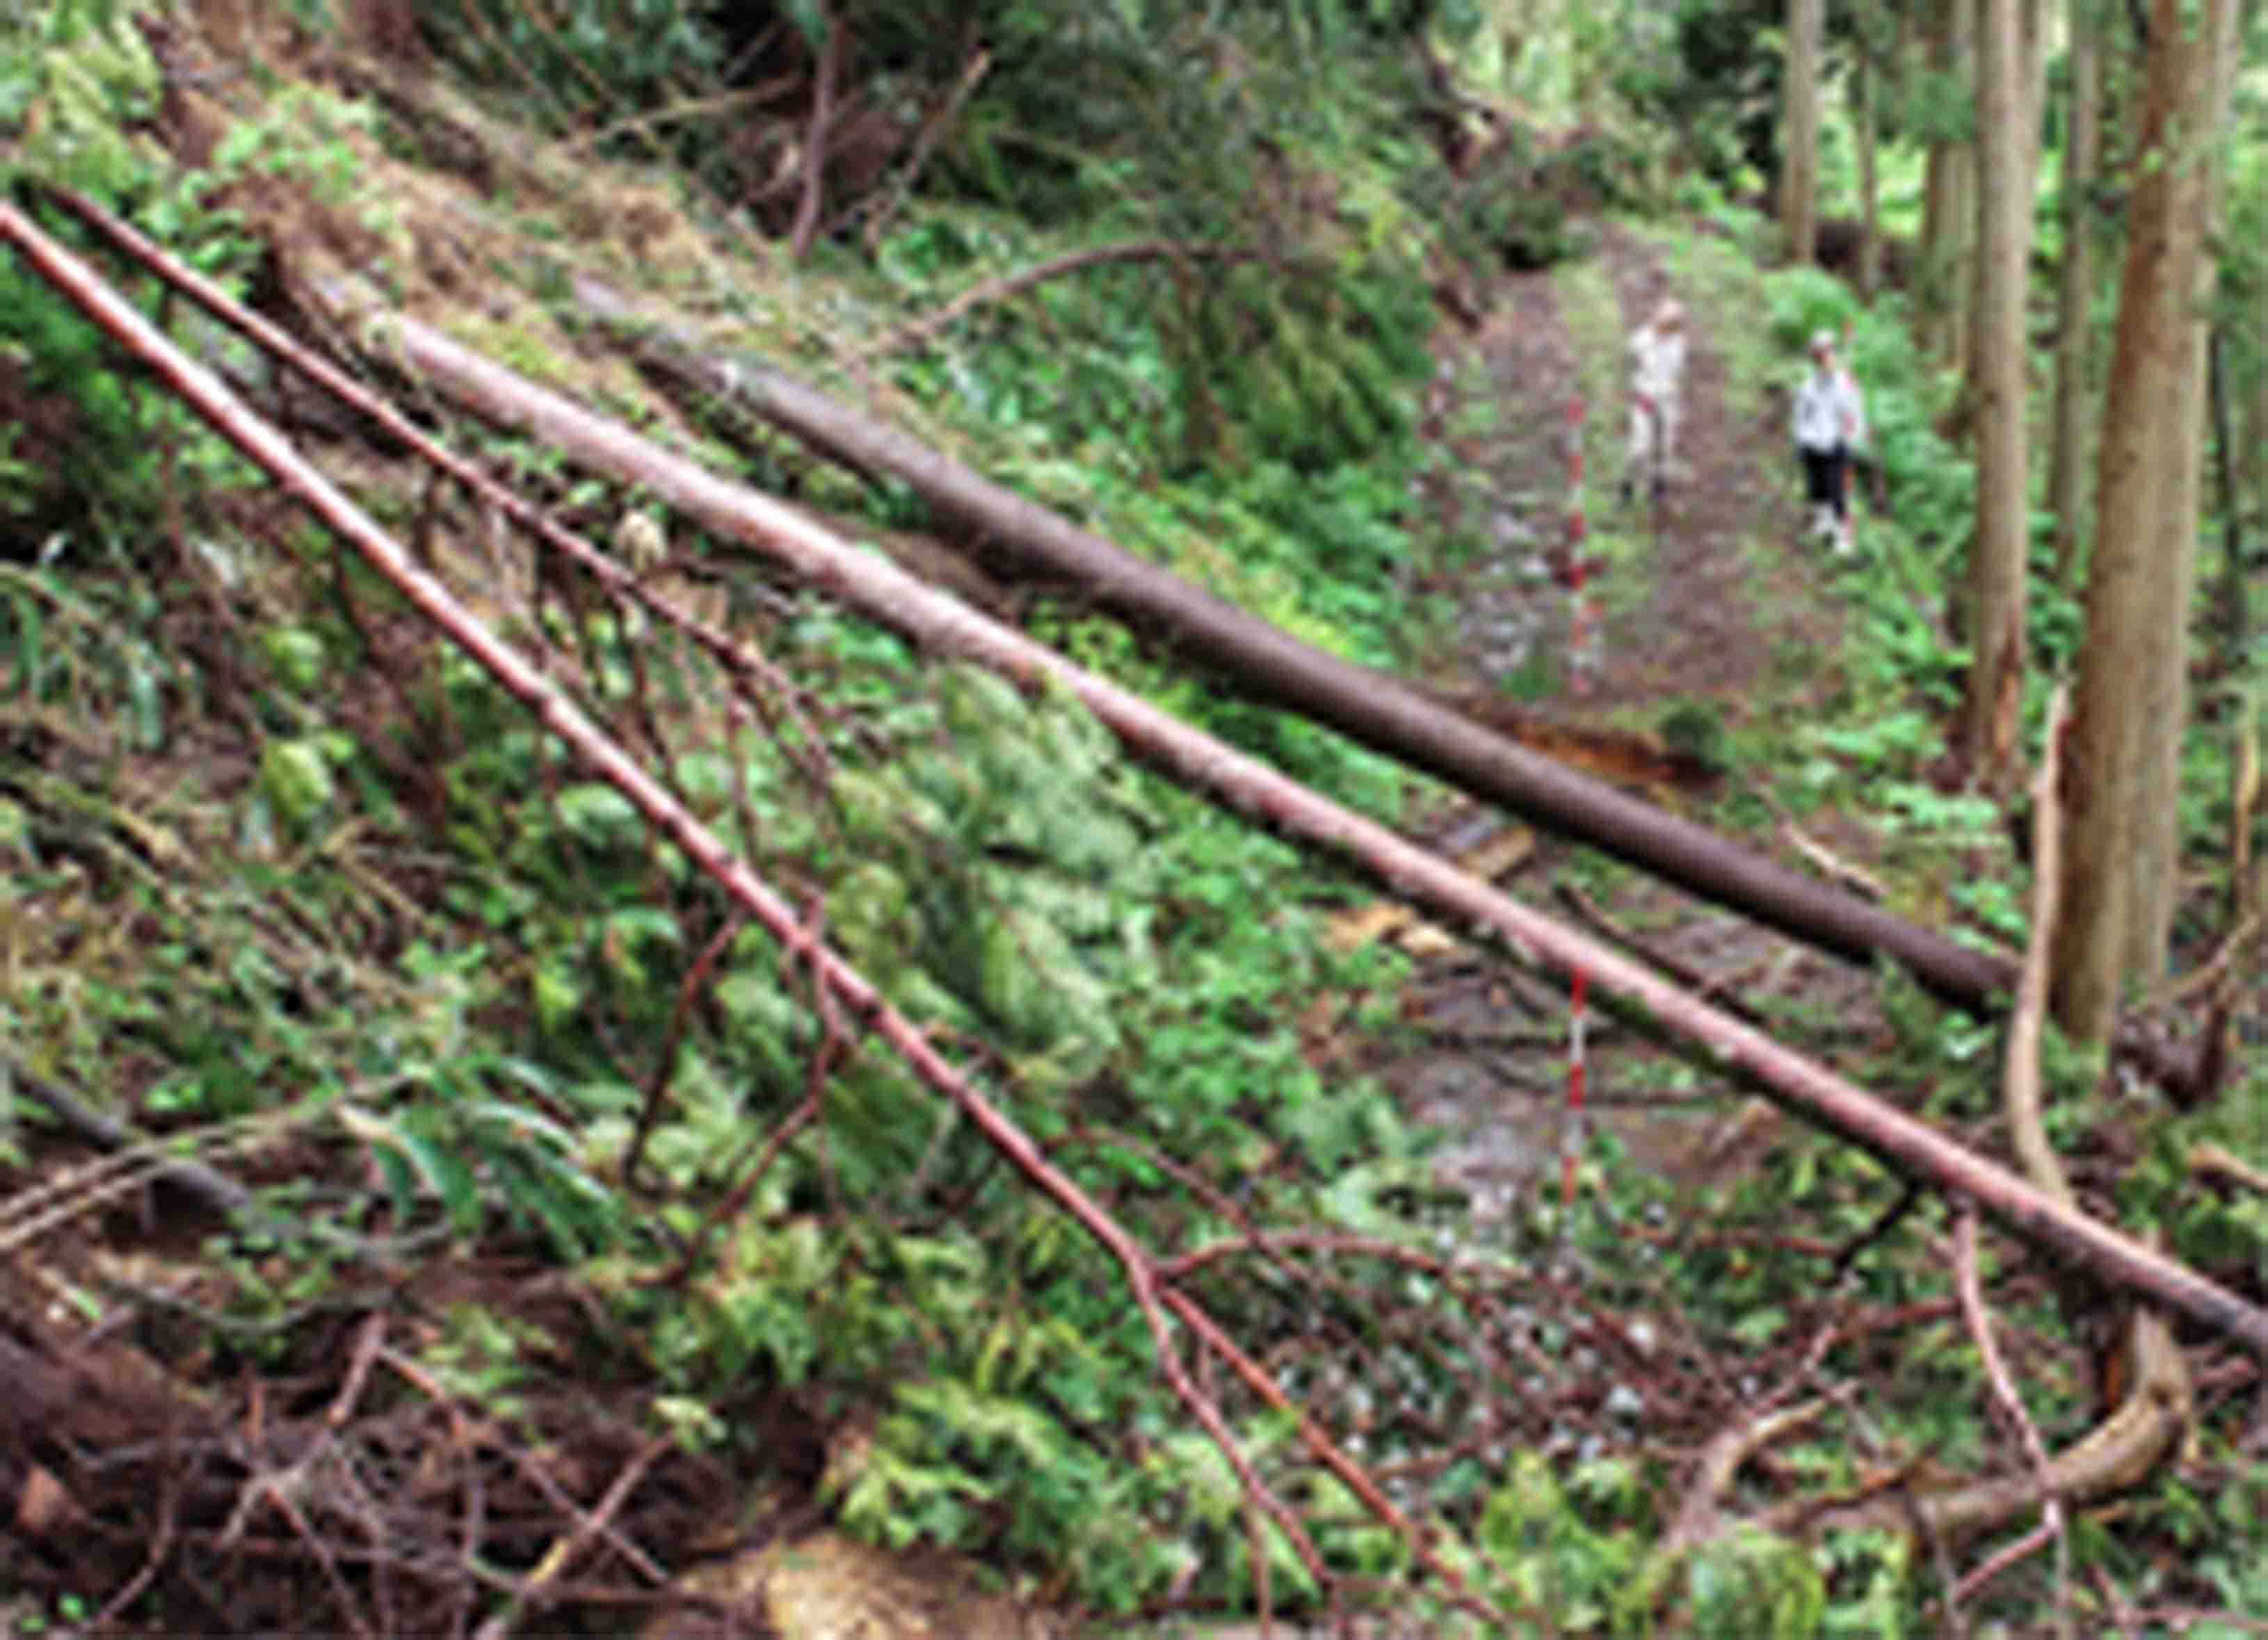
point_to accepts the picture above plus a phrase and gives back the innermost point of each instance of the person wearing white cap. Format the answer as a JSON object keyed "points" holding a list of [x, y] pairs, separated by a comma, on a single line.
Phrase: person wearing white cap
{"points": [[1831, 421], [1657, 358]]}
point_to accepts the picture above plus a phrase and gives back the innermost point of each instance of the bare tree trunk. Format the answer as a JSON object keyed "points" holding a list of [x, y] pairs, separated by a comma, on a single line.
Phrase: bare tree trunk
{"points": [[1992, 714], [1937, 214], [2075, 296], [1371, 707], [2122, 786], [1864, 94], [1799, 171], [2156, 864]]}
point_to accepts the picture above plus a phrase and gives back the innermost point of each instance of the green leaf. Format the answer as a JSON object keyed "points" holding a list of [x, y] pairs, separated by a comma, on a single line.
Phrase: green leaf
{"points": [[296, 777]]}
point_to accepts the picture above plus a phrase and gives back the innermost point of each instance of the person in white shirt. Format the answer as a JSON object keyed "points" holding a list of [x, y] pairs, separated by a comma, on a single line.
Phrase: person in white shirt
{"points": [[1830, 422], [1657, 361]]}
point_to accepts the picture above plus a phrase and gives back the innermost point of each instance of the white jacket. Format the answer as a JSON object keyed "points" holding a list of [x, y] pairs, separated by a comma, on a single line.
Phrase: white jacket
{"points": [[1656, 361], [1829, 411]]}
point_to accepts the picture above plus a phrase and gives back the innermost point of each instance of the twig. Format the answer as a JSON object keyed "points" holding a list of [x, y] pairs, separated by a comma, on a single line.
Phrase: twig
{"points": [[815, 141], [676, 112], [367, 1342], [802, 1116], [2012, 1406], [1039, 272], [2122, 1614], [1887, 1220], [564, 1553], [2217, 1163], [2007, 1556], [932, 129], [2201, 977], [1720, 1461], [1825, 860], [657, 1087], [1697, 981], [215, 1190], [160, 1546]]}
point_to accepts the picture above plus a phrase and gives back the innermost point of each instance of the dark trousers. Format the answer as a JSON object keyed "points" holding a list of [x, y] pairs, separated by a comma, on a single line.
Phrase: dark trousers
{"points": [[1826, 478]]}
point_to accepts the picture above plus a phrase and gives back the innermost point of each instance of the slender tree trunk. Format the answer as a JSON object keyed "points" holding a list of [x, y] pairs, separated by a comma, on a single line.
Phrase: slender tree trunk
{"points": [[1956, 269], [2228, 621], [2122, 785], [1992, 713], [1799, 171], [2074, 297], [2035, 20], [1941, 219], [1864, 95], [2157, 865]]}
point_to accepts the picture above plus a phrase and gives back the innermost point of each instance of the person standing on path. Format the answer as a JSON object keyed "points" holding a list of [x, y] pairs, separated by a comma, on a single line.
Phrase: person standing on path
{"points": [[1657, 359], [1830, 422]]}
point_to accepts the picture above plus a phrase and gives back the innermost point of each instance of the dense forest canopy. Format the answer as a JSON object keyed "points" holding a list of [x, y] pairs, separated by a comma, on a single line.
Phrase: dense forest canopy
{"points": [[997, 818]]}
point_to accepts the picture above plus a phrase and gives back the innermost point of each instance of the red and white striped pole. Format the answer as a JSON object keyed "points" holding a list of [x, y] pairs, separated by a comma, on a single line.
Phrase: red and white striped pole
{"points": [[1570, 1141]]}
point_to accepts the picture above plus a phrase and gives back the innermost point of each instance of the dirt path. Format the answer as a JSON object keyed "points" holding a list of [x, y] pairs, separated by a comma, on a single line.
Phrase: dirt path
{"points": [[1704, 598]]}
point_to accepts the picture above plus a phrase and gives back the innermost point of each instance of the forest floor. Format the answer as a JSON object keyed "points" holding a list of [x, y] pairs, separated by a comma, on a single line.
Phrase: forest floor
{"points": [[1708, 603]]}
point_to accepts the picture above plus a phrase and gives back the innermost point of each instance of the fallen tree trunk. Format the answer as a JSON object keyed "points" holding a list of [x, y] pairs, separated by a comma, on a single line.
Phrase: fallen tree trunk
{"points": [[1380, 710], [945, 627]]}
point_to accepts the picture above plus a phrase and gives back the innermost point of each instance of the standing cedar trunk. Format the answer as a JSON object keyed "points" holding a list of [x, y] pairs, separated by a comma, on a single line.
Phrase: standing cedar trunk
{"points": [[1799, 173], [1990, 715], [2165, 685], [2121, 786], [1870, 203], [1949, 207], [2074, 294]]}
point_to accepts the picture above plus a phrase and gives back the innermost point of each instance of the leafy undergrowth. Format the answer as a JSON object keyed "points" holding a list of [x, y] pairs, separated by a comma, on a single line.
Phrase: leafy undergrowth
{"points": [[568, 1182]]}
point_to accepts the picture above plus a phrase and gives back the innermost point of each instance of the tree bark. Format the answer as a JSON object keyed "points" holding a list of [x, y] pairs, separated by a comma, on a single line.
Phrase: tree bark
{"points": [[815, 154], [1865, 93], [2156, 861], [1377, 710], [2075, 296], [1992, 712], [1798, 170], [1949, 206], [2122, 787]]}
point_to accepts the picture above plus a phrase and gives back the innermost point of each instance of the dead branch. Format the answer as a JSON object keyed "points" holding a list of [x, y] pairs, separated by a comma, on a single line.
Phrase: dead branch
{"points": [[2123, 1450], [2001, 1559], [212, 400], [1721, 1459], [1000, 290], [2120, 1453], [2219, 1164], [1700, 983], [943, 626], [564, 1553], [980, 62], [1970, 1286], [215, 1190], [815, 141]]}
